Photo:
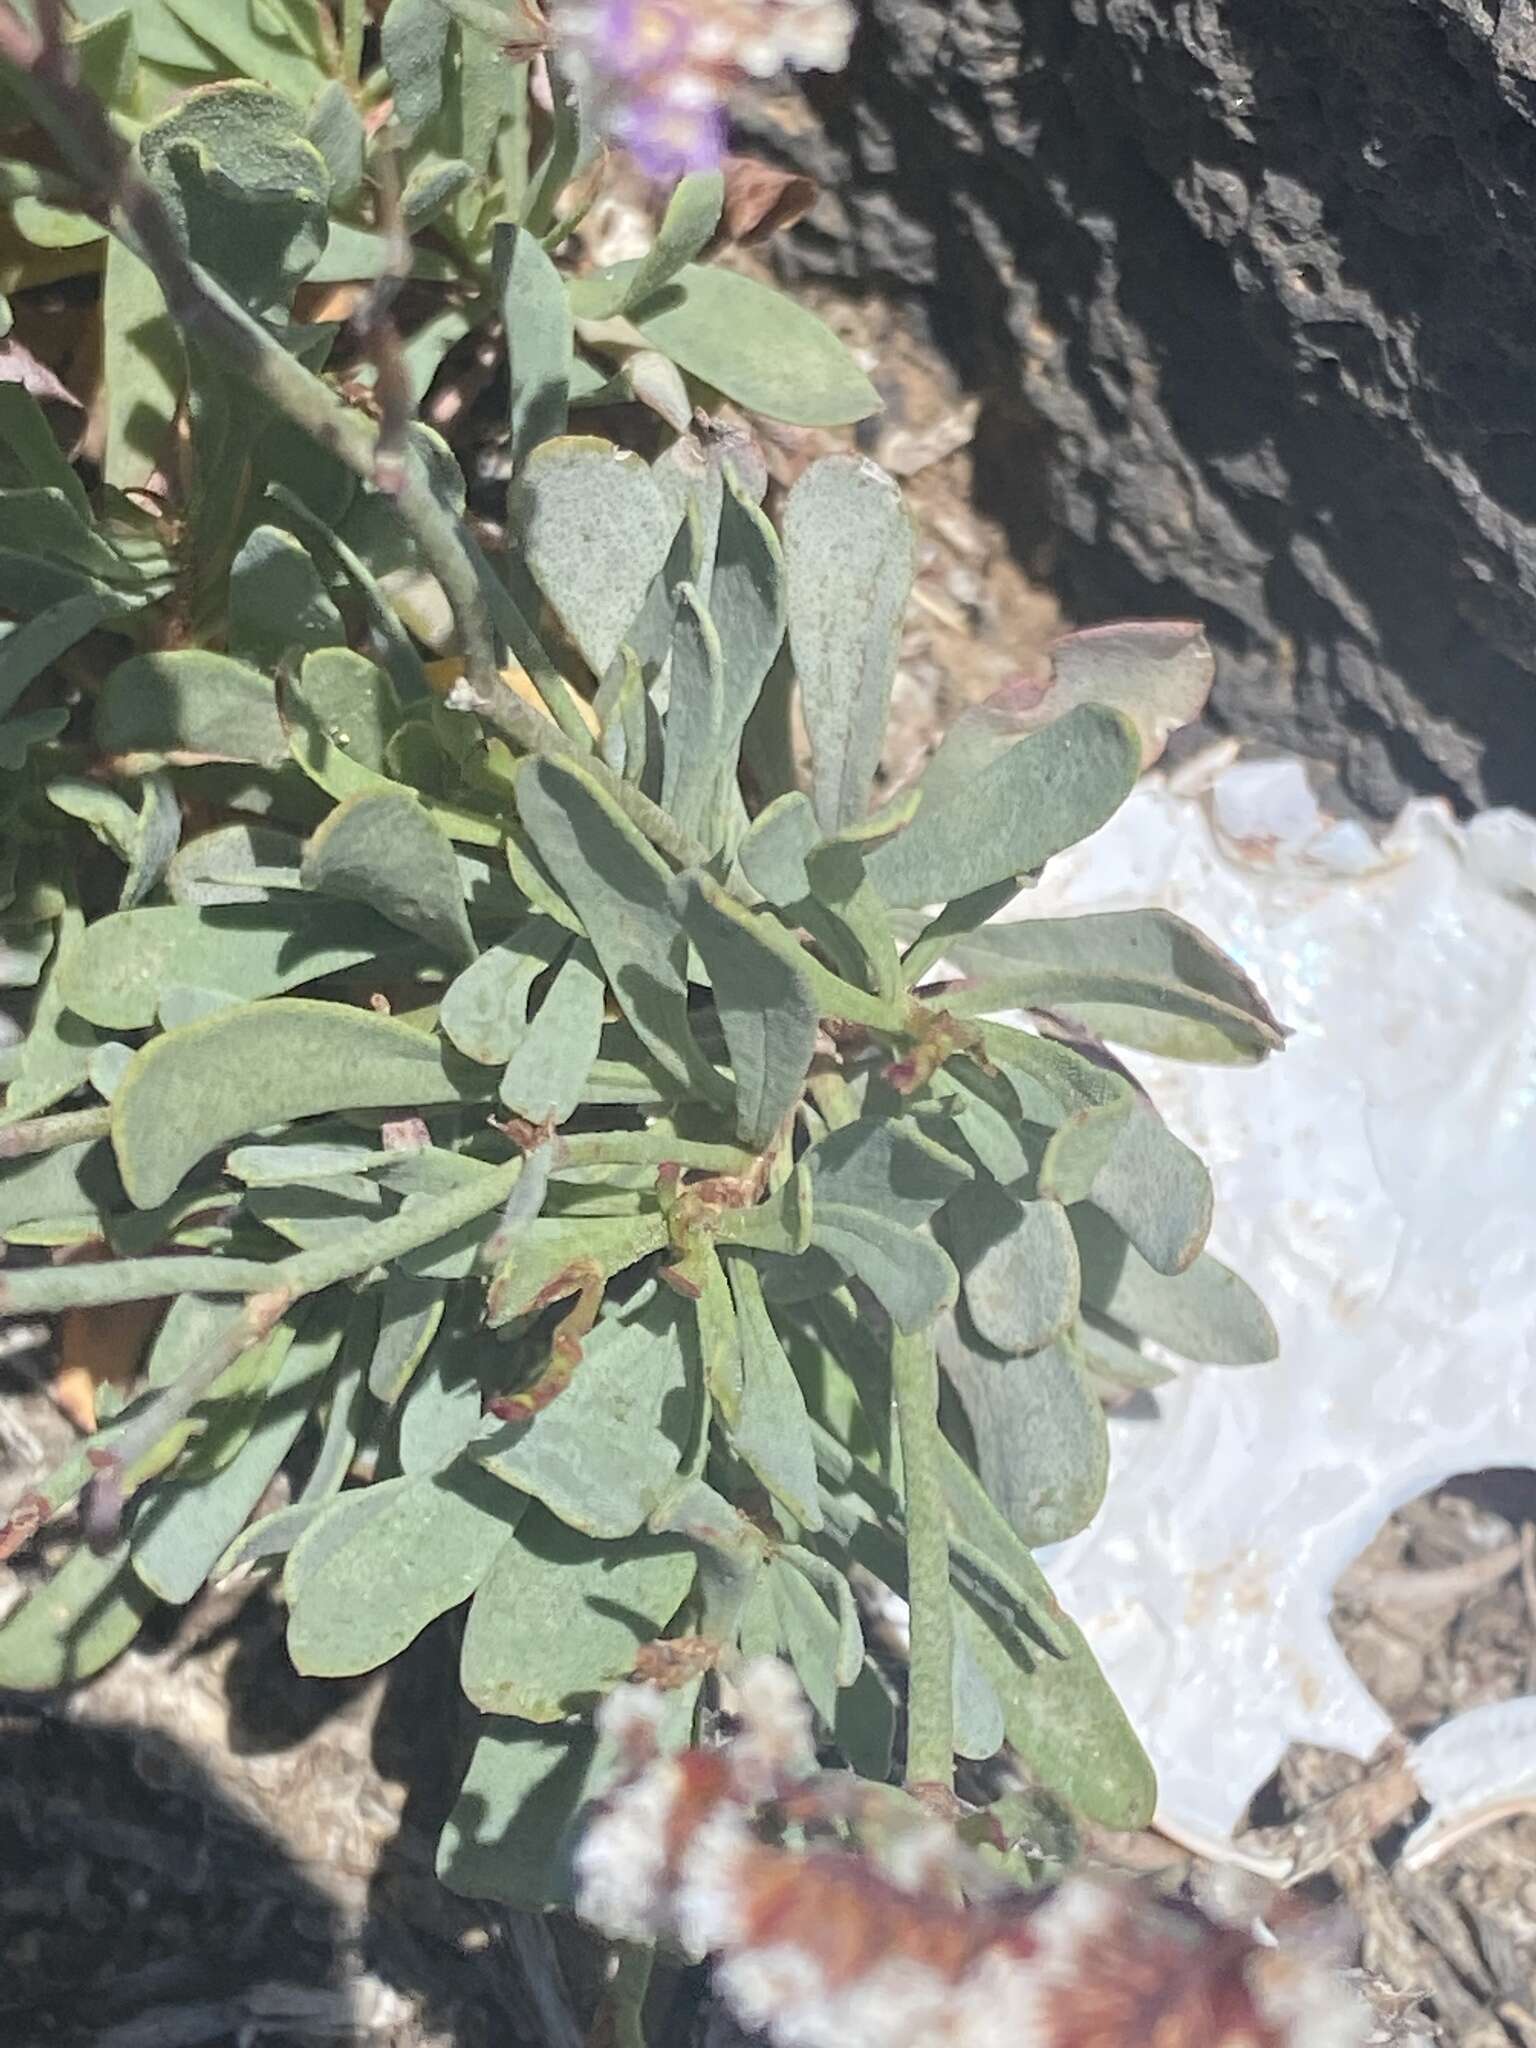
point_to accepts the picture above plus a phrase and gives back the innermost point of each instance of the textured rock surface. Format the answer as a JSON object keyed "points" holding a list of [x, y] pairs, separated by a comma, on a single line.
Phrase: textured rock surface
{"points": [[1249, 294]]}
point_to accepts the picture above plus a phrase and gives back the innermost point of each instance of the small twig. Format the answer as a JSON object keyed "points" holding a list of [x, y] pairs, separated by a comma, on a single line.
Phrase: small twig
{"points": [[930, 1680], [1445, 1587]]}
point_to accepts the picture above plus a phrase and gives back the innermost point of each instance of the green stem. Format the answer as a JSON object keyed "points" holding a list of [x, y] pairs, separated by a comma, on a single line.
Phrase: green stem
{"points": [[352, 25], [44, 1290], [648, 1148], [930, 1680], [48, 1133]]}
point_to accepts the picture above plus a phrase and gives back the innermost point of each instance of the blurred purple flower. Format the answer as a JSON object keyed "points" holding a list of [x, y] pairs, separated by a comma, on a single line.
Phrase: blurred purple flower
{"points": [[637, 38], [670, 133], [659, 72]]}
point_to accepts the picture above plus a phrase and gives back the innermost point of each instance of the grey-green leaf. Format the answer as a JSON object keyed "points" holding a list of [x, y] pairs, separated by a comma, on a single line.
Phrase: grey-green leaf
{"points": [[413, 42], [183, 1528], [376, 1566], [1018, 1265], [1206, 1314], [1060, 1712], [194, 1088], [507, 1836], [128, 959], [352, 701], [622, 892], [756, 346], [536, 315], [484, 1011], [189, 706], [1157, 1190], [69, 1629], [695, 710], [1142, 978], [692, 215], [381, 848], [989, 812], [606, 1451], [410, 1311], [766, 1007], [771, 1432], [850, 553], [549, 1067], [277, 604], [1042, 1449], [594, 530], [557, 1622]]}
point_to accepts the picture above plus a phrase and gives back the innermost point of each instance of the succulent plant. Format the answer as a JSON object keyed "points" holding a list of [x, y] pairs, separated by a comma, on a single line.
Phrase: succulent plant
{"points": [[569, 1147]]}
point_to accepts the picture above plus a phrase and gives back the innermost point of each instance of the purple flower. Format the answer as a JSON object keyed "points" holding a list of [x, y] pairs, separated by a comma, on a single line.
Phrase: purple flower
{"points": [[659, 72], [670, 133], [631, 38]]}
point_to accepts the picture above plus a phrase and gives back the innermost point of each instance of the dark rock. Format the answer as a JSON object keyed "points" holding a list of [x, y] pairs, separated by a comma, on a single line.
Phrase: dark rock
{"points": [[1248, 289]]}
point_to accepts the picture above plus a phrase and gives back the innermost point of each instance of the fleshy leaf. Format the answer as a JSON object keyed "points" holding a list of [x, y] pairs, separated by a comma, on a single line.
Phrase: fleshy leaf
{"points": [[353, 701], [536, 314], [507, 1835], [1155, 1189], [71, 1628], [622, 892], [605, 1452], [1060, 1713], [594, 530], [182, 1529], [196, 1087], [692, 215], [413, 42], [381, 848], [484, 1011], [766, 1008], [128, 958], [990, 810], [190, 706], [277, 604], [695, 710], [850, 552], [756, 346], [557, 1622], [377, 1565], [1018, 1265], [1042, 1449], [549, 1067], [771, 1432], [1205, 1314], [410, 1311], [1142, 978], [248, 191]]}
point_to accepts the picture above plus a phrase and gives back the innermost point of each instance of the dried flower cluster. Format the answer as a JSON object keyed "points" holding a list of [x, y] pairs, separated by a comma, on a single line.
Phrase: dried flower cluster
{"points": [[661, 71], [823, 1947]]}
